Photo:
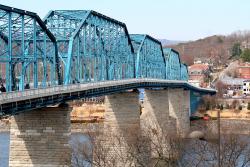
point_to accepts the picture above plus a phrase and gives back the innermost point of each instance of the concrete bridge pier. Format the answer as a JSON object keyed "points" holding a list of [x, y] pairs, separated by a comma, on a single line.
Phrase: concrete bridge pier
{"points": [[39, 138], [156, 123], [121, 126], [165, 120], [179, 108]]}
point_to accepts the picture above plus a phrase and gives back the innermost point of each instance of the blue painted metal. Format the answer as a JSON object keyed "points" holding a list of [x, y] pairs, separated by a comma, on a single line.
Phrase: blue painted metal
{"points": [[28, 51], [34, 98], [93, 47], [88, 47], [150, 61], [79, 46], [184, 72], [173, 64], [194, 101]]}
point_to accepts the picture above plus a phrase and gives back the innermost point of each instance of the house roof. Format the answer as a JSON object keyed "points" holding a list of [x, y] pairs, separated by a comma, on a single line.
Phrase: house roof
{"points": [[232, 81], [244, 65], [199, 67]]}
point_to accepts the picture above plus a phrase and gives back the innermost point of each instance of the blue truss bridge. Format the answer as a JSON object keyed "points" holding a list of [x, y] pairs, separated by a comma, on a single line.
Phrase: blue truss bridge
{"points": [[72, 54]]}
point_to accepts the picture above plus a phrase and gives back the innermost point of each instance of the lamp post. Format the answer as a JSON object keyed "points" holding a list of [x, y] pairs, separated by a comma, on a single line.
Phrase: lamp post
{"points": [[218, 122]]}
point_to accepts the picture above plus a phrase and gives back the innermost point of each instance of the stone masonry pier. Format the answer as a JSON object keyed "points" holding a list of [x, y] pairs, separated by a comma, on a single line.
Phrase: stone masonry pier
{"points": [[165, 116], [179, 108], [121, 125], [39, 138], [156, 122]]}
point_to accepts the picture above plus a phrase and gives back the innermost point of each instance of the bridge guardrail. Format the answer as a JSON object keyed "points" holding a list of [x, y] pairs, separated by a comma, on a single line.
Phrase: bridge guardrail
{"points": [[48, 91], [22, 95]]}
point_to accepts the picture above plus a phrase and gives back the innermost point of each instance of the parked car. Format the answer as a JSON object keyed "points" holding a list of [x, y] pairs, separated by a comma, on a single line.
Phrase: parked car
{"points": [[206, 117]]}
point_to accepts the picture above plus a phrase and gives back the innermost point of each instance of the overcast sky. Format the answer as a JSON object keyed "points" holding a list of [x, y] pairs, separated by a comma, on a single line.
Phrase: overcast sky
{"points": [[168, 19]]}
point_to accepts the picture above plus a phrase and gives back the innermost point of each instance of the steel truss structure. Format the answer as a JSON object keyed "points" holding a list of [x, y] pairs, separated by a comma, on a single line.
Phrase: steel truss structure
{"points": [[184, 72], [92, 47], [173, 64], [77, 46], [150, 62], [28, 54]]}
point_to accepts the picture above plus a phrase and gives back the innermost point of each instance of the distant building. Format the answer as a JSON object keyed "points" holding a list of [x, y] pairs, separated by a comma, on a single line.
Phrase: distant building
{"points": [[203, 60], [244, 70], [235, 84], [246, 87], [245, 45], [199, 74], [197, 61]]}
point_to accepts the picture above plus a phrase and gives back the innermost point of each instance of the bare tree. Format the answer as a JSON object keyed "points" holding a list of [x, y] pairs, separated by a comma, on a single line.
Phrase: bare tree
{"points": [[152, 148], [234, 152], [221, 88], [149, 148]]}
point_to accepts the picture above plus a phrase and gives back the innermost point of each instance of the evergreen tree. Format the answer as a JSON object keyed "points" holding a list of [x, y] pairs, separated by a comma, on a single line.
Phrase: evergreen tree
{"points": [[221, 107], [245, 55], [236, 50], [248, 106]]}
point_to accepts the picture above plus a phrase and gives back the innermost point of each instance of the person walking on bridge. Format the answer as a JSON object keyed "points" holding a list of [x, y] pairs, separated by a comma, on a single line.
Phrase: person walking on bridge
{"points": [[2, 88]]}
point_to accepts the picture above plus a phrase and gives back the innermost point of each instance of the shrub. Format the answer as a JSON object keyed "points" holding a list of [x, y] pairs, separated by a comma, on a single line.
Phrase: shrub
{"points": [[221, 107], [235, 103], [240, 107], [207, 106], [248, 106], [208, 102]]}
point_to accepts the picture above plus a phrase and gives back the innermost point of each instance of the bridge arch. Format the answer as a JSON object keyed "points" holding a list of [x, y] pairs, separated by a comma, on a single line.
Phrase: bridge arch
{"points": [[92, 47], [150, 62]]}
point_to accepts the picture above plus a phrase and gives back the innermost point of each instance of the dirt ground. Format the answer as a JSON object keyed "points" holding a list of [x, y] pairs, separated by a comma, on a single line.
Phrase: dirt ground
{"points": [[230, 113], [88, 113], [4, 125]]}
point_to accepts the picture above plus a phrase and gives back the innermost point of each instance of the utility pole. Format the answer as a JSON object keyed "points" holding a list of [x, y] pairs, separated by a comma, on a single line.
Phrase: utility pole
{"points": [[218, 122]]}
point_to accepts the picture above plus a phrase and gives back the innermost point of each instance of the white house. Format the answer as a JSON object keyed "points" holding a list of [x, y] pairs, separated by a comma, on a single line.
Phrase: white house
{"points": [[246, 87]]}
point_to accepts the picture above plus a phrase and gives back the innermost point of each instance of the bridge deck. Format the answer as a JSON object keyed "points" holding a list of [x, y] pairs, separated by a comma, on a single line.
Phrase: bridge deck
{"points": [[15, 102]]}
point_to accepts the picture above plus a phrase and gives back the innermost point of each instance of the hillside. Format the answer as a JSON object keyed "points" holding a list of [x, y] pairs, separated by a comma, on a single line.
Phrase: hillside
{"points": [[214, 49], [165, 42]]}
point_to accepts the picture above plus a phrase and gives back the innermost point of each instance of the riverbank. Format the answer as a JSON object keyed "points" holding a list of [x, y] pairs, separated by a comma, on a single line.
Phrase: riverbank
{"points": [[239, 126], [75, 127], [228, 125], [230, 114], [4, 125]]}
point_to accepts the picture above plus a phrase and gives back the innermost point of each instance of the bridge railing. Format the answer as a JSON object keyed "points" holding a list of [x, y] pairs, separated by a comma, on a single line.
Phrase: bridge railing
{"points": [[9, 96], [42, 92]]}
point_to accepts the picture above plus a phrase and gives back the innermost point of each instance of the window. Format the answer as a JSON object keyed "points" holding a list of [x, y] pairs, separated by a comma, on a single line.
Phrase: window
{"points": [[245, 83], [244, 89]]}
